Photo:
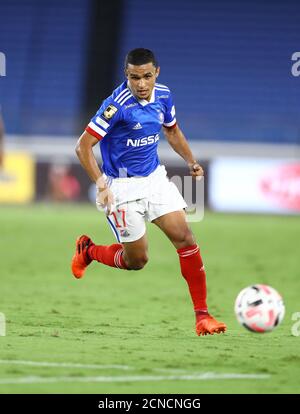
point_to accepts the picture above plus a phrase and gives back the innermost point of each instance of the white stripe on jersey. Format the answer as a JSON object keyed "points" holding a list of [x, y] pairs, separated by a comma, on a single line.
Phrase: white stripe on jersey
{"points": [[123, 96], [95, 128], [126, 99], [173, 111], [121, 93], [162, 90], [101, 122], [169, 124], [159, 85]]}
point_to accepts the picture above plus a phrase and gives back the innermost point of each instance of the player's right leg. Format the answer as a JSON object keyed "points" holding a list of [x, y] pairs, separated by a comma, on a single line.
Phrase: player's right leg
{"points": [[130, 253], [81, 260], [136, 253]]}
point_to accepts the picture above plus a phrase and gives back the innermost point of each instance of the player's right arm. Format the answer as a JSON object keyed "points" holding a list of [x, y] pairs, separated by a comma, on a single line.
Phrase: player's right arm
{"points": [[84, 151]]}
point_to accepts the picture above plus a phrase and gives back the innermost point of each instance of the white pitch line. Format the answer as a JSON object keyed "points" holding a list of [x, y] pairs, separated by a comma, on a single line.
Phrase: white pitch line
{"points": [[62, 364], [171, 370], [134, 378]]}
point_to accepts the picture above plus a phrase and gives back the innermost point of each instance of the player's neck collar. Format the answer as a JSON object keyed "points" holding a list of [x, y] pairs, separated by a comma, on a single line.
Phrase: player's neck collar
{"points": [[143, 102]]}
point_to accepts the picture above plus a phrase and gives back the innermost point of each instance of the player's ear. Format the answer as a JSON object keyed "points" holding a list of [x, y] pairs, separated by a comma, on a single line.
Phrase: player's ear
{"points": [[157, 71]]}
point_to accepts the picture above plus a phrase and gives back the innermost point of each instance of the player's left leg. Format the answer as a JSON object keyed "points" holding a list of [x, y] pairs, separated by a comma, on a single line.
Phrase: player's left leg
{"points": [[175, 226]]}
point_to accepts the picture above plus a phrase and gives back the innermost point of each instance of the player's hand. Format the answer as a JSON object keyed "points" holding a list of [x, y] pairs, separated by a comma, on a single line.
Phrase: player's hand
{"points": [[105, 200], [104, 197], [196, 170]]}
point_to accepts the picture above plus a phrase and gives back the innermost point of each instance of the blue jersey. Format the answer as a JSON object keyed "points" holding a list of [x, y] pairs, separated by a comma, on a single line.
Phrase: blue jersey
{"points": [[128, 130]]}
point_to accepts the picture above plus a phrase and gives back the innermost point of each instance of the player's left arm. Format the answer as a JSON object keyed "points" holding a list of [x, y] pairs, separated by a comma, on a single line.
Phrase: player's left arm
{"points": [[180, 145]]}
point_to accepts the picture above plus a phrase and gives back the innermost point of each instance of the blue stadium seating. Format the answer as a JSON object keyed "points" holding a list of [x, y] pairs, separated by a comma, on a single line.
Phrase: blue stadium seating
{"points": [[44, 43], [227, 62]]}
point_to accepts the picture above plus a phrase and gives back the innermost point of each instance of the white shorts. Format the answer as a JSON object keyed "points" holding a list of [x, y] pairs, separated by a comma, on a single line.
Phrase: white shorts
{"points": [[141, 199]]}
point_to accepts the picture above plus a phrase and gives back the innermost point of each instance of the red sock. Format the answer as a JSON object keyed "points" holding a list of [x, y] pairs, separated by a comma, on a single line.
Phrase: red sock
{"points": [[109, 255], [192, 270]]}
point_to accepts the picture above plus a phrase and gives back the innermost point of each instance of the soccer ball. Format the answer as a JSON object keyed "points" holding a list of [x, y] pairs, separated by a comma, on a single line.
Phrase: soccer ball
{"points": [[259, 308]]}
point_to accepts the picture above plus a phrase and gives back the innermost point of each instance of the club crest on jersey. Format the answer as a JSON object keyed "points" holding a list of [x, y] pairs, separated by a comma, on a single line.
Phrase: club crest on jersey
{"points": [[109, 112], [124, 233]]}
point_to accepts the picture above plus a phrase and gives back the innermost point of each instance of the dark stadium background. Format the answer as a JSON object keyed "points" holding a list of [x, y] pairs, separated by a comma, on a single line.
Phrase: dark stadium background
{"points": [[234, 70], [227, 63]]}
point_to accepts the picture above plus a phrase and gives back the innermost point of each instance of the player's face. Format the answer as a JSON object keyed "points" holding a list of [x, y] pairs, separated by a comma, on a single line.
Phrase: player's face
{"points": [[141, 79]]}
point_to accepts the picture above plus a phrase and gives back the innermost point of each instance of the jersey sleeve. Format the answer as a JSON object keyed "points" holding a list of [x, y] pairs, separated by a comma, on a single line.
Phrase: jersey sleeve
{"points": [[170, 114], [104, 120]]}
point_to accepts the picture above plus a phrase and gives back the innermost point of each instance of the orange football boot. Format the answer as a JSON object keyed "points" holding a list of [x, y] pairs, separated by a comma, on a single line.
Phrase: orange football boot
{"points": [[209, 325], [80, 260]]}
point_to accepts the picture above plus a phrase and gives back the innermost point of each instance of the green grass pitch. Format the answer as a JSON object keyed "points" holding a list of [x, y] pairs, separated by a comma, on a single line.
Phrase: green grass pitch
{"points": [[133, 332]]}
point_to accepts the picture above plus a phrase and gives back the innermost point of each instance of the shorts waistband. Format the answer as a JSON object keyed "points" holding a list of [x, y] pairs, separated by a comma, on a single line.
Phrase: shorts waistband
{"points": [[160, 168]]}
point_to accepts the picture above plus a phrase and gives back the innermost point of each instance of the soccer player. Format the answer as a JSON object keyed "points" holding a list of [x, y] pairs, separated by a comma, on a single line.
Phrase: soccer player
{"points": [[133, 186]]}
